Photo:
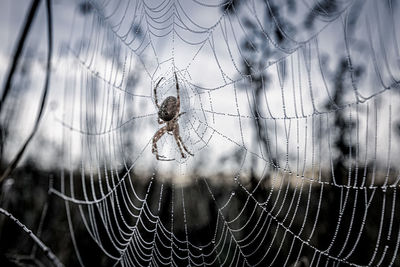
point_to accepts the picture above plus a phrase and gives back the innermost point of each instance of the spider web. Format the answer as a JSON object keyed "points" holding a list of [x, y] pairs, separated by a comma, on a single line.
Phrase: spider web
{"points": [[290, 115]]}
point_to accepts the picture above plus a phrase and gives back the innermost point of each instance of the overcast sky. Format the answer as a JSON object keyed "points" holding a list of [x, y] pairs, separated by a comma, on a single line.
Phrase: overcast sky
{"points": [[92, 56]]}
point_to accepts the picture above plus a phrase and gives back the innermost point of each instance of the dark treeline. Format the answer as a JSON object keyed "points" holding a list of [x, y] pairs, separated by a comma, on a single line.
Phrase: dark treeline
{"points": [[308, 211]]}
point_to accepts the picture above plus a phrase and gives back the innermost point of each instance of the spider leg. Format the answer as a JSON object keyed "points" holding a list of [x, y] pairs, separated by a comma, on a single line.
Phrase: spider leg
{"points": [[178, 99], [155, 92], [180, 114], [157, 137], [184, 147], [163, 159], [179, 141], [175, 119], [176, 135]]}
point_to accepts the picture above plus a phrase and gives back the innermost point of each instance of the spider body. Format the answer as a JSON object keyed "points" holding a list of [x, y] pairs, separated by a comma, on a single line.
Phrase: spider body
{"points": [[168, 109], [168, 113]]}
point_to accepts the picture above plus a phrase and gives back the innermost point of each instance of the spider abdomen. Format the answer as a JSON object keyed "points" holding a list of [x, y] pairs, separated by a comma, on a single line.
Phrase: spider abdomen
{"points": [[168, 109]]}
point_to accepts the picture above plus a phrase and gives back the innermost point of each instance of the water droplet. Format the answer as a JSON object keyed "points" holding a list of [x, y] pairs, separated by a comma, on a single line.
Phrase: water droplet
{"points": [[233, 193]]}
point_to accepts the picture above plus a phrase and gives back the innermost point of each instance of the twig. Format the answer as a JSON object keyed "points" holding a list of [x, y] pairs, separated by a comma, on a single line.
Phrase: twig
{"points": [[17, 158], [18, 51], [52, 257]]}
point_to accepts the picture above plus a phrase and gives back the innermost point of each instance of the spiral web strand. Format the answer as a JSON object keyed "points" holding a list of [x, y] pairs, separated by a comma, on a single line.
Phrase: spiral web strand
{"points": [[263, 96]]}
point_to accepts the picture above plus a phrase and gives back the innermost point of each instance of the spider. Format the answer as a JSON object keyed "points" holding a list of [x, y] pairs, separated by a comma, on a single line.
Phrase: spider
{"points": [[168, 113]]}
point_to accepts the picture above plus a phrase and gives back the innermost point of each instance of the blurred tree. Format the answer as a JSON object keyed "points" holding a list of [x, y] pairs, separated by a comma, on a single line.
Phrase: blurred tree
{"points": [[257, 49]]}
